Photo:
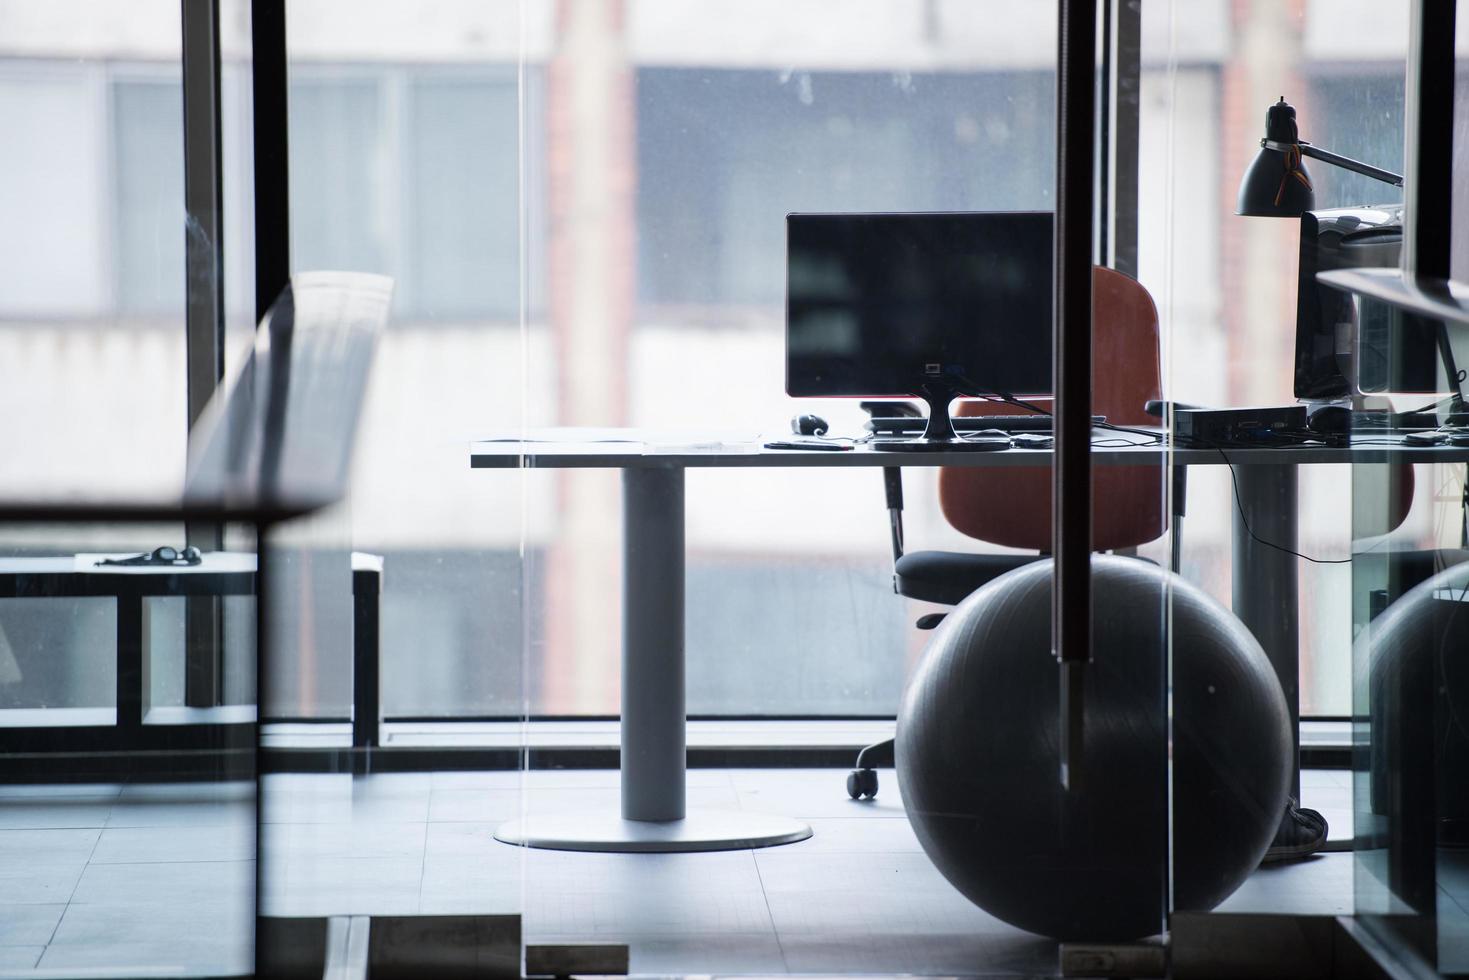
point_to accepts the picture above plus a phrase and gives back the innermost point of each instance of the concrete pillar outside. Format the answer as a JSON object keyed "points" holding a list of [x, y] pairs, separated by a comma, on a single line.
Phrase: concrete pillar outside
{"points": [[590, 286]]}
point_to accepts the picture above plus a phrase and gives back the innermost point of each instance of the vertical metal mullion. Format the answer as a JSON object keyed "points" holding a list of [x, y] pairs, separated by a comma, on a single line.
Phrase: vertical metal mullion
{"points": [[204, 322], [367, 587], [272, 275], [131, 643], [263, 646], [203, 202], [1102, 146], [272, 163], [1428, 133], [1124, 109], [1071, 596]]}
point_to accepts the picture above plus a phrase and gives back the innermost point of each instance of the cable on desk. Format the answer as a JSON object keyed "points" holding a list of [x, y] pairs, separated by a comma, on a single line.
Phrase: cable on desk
{"points": [[1154, 438], [1009, 399], [1111, 443], [1239, 505]]}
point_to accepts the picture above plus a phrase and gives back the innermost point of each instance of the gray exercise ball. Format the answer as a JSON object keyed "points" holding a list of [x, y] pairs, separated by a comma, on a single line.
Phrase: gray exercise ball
{"points": [[1415, 656], [978, 754]]}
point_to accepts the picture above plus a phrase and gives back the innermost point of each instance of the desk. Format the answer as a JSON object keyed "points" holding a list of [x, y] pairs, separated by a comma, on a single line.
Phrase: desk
{"points": [[654, 816]]}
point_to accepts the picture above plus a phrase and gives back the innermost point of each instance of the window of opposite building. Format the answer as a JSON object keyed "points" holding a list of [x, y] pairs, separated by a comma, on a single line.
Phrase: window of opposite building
{"points": [[149, 230], [723, 155], [409, 173], [394, 169]]}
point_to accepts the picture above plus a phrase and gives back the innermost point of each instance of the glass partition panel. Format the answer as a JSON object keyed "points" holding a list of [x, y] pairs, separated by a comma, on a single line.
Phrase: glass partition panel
{"points": [[1232, 283], [665, 267], [712, 630], [126, 806], [1408, 587], [1410, 577], [398, 611], [127, 816], [1267, 507], [405, 137], [91, 319]]}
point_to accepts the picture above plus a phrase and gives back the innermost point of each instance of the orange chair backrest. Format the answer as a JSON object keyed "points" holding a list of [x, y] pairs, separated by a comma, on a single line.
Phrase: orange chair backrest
{"points": [[1011, 505]]}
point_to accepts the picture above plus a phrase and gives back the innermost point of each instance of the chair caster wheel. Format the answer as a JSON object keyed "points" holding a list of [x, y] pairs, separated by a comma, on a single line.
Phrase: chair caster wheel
{"points": [[862, 784]]}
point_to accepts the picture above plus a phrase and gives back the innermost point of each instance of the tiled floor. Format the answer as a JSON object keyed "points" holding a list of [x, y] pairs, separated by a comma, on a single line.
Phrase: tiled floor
{"points": [[156, 878], [160, 877]]}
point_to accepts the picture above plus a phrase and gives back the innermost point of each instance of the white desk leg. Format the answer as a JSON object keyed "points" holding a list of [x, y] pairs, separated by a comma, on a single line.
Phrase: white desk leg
{"points": [[654, 816], [654, 746], [1265, 588]]}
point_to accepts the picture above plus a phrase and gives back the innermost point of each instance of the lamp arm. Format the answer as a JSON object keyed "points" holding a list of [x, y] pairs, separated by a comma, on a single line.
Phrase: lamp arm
{"points": [[1337, 160], [1347, 163]]}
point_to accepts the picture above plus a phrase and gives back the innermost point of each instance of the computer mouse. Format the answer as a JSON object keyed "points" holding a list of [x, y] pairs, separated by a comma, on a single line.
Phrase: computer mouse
{"points": [[809, 425], [1330, 420]]}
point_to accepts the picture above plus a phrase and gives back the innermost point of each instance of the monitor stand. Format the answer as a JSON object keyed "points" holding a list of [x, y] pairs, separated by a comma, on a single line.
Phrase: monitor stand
{"points": [[1458, 412], [939, 435], [1451, 411]]}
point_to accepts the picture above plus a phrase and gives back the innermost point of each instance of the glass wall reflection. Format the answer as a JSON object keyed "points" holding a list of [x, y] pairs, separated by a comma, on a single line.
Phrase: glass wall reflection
{"points": [[127, 804]]}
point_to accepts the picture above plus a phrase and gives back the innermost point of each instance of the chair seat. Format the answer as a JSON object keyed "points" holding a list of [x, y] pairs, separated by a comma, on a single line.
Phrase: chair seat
{"points": [[949, 576]]}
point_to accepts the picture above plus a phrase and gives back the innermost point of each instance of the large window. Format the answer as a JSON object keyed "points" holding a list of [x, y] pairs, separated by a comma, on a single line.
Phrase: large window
{"points": [[585, 223], [411, 166]]}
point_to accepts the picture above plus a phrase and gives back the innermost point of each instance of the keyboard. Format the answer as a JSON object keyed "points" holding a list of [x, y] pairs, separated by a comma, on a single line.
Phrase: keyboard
{"points": [[1033, 422]]}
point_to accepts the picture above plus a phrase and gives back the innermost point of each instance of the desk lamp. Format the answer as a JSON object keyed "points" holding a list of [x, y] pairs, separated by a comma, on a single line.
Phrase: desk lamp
{"points": [[1277, 185]]}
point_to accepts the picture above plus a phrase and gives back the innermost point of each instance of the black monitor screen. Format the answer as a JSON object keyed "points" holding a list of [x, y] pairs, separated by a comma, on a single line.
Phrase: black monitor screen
{"points": [[1345, 342], [884, 304]]}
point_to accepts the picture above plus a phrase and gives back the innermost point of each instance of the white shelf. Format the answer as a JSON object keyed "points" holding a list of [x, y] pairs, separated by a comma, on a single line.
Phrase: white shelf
{"points": [[1436, 299]]}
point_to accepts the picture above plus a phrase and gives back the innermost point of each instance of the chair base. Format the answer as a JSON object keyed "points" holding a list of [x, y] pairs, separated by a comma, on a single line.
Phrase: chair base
{"points": [[862, 781], [862, 784]]}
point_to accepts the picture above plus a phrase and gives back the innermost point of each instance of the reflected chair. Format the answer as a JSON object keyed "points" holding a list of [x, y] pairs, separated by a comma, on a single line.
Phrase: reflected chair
{"points": [[273, 445], [1011, 505]]}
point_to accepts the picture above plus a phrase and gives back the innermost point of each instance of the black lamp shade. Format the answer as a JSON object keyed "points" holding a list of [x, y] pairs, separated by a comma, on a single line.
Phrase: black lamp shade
{"points": [[1271, 188], [1277, 184]]}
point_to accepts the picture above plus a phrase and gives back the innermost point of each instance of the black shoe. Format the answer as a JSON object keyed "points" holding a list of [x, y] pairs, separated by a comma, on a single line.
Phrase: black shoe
{"points": [[1302, 832]]}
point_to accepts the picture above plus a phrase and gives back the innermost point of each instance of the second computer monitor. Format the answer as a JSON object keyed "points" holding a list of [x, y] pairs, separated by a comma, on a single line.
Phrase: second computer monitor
{"points": [[915, 304]]}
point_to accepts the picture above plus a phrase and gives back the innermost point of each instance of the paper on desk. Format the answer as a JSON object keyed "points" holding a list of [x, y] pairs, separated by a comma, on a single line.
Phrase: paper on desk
{"points": [[565, 435], [589, 441], [565, 441], [699, 443]]}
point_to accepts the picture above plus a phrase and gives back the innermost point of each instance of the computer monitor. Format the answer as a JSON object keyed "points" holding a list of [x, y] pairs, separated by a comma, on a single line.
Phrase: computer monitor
{"points": [[927, 305], [1347, 344]]}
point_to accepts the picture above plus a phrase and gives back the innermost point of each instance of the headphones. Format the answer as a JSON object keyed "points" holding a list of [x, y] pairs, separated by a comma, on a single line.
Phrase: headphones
{"points": [[809, 425], [160, 556]]}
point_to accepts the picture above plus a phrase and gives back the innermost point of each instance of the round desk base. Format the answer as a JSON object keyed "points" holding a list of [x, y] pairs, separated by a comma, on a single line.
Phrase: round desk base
{"points": [[700, 830]]}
